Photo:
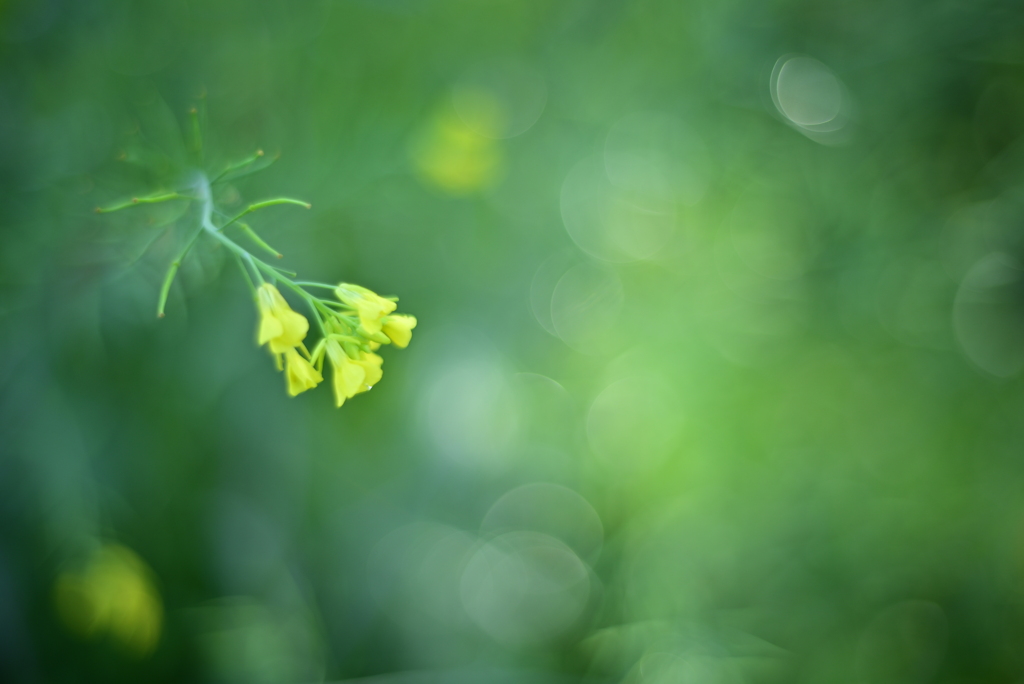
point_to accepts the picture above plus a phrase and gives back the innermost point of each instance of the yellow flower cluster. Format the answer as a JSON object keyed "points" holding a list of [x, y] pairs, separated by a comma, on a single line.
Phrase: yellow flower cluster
{"points": [[354, 325], [354, 329]]}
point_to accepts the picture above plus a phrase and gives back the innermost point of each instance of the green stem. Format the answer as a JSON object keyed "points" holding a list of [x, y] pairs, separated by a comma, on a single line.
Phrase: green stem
{"points": [[309, 283], [239, 165], [172, 271], [267, 203], [242, 253], [324, 306], [251, 234], [252, 263], [243, 172], [152, 199], [310, 302], [340, 305], [165, 289], [283, 271], [245, 273]]}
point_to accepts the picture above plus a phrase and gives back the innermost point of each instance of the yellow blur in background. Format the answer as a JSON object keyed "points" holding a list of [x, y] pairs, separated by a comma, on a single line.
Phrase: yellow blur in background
{"points": [[458, 156], [113, 595]]}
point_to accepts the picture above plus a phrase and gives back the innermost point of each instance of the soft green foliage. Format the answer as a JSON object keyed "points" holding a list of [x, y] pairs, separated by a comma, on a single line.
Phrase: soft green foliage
{"points": [[718, 370]]}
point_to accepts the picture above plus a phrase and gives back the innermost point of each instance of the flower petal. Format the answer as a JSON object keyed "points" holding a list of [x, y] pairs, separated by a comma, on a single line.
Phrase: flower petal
{"points": [[300, 373], [398, 328], [349, 377], [371, 363]]}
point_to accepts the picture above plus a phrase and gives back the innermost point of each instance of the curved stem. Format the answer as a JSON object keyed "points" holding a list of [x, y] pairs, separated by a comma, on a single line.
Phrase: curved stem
{"points": [[251, 234], [264, 204], [239, 165], [135, 201], [172, 271], [245, 274]]}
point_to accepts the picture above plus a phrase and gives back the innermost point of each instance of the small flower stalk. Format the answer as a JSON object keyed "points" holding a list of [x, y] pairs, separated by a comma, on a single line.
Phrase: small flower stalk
{"points": [[353, 324]]}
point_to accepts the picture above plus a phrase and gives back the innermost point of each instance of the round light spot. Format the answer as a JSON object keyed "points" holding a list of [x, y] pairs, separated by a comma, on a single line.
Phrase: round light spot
{"points": [[585, 306], [414, 572], [550, 509], [812, 99], [988, 315], [809, 94], [525, 588], [543, 285], [656, 160], [972, 232], [544, 407], [611, 223], [634, 424], [501, 99], [470, 413]]}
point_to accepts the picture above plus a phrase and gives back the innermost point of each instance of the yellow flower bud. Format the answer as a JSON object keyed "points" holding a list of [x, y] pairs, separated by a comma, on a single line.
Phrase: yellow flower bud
{"points": [[300, 373], [370, 306], [280, 327], [398, 328], [349, 376]]}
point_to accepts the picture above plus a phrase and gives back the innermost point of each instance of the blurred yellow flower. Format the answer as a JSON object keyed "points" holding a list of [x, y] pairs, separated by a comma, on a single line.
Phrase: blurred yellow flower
{"points": [[280, 326], [370, 306], [112, 594], [300, 373], [452, 156], [398, 328]]}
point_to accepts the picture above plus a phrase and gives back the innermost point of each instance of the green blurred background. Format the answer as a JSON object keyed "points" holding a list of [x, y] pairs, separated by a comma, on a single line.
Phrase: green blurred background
{"points": [[717, 377]]}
